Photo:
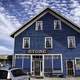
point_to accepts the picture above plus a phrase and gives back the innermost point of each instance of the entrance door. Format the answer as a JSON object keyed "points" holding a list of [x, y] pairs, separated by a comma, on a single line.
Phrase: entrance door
{"points": [[70, 67], [37, 66]]}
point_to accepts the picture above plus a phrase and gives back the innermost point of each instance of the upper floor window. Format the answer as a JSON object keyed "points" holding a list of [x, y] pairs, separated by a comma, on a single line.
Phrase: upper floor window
{"points": [[48, 42], [71, 42], [57, 25], [39, 25], [26, 42]]}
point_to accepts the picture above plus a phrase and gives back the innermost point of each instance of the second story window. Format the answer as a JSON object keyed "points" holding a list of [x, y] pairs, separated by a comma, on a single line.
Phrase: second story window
{"points": [[48, 42], [57, 25], [71, 42], [39, 25], [26, 42]]}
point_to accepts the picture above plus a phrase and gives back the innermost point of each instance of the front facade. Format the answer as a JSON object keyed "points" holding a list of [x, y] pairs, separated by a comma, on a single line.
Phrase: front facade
{"points": [[48, 45]]}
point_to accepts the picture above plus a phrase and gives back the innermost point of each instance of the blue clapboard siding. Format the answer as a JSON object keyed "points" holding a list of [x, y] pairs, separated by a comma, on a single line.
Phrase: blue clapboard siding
{"points": [[47, 65], [26, 64], [59, 39], [18, 63]]}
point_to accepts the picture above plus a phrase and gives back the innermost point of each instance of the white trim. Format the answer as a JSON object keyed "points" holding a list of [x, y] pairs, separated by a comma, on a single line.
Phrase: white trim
{"points": [[76, 58], [29, 24], [74, 41], [73, 67], [22, 62], [43, 61], [59, 22], [31, 64], [76, 61], [37, 54], [43, 15], [65, 20], [61, 64], [13, 61], [23, 42], [52, 64], [60, 71], [43, 66], [13, 57], [37, 25], [50, 43]]}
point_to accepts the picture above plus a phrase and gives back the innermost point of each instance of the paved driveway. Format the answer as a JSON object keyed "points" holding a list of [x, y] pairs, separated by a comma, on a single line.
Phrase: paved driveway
{"points": [[72, 78]]}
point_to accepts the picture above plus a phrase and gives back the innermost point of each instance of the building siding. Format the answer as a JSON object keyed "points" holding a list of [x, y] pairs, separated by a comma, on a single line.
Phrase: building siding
{"points": [[37, 39]]}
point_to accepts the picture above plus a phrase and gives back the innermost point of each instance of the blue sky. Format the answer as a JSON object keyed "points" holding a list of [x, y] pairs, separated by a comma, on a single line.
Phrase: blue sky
{"points": [[13, 13]]}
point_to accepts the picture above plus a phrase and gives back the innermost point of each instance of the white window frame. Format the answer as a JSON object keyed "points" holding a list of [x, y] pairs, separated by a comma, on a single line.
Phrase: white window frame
{"points": [[74, 44], [28, 43], [61, 61], [61, 66], [51, 42], [55, 22], [39, 23], [78, 68], [61, 71]]}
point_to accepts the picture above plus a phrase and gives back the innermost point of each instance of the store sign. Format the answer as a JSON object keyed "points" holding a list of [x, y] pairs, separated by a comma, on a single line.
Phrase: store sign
{"points": [[37, 51]]}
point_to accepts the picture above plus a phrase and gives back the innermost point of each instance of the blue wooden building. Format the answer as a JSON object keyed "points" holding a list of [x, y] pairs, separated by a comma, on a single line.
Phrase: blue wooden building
{"points": [[48, 44]]}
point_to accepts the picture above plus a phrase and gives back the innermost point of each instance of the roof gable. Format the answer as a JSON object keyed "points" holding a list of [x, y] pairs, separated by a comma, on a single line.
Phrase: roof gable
{"points": [[42, 13]]}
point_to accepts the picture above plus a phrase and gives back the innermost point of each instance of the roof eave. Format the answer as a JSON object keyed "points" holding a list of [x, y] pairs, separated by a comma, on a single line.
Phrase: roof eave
{"points": [[49, 9]]}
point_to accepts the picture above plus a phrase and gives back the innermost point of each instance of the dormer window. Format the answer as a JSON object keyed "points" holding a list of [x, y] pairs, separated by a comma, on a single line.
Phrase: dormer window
{"points": [[71, 42], [57, 25], [26, 42], [39, 25]]}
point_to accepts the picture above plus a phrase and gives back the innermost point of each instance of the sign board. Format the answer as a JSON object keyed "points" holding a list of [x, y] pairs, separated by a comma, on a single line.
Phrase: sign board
{"points": [[37, 51]]}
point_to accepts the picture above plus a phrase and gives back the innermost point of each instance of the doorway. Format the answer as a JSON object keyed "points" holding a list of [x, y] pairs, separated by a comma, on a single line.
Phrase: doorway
{"points": [[70, 67], [37, 65]]}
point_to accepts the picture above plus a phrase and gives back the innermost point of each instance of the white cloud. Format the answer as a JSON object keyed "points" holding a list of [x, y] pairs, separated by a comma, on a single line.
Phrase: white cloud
{"points": [[7, 25], [10, 23], [5, 51]]}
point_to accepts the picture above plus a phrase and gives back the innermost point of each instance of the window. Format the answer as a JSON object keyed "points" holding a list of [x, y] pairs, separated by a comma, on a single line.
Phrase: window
{"points": [[39, 25], [77, 61], [57, 25], [56, 63], [26, 42], [53, 63], [71, 42], [48, 42]]}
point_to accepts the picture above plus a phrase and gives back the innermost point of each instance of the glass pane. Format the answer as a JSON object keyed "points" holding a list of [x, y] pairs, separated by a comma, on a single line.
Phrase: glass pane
{"points": [[56, 63], [18, 62], [39, 25], [48, 64], [48, 42], [26, 63], [26, 42], [57, 24], [71, 41], [78, 63]]}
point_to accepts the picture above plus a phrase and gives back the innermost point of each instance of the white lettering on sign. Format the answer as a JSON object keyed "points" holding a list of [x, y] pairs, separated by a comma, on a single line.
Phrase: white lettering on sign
{"points": [[37, 51]]}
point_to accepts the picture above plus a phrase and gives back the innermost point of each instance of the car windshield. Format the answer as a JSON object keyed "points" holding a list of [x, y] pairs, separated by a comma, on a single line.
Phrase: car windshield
{"points": [[3, 74], [18, 72]]}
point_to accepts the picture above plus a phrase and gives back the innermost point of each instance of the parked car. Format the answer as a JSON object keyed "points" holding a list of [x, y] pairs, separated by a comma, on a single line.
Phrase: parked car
{"points": [[13, 74]]}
